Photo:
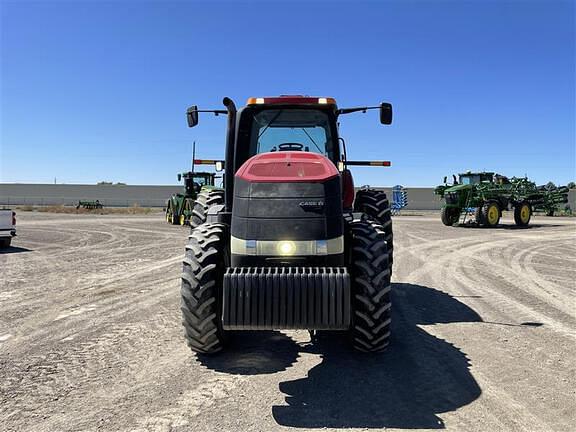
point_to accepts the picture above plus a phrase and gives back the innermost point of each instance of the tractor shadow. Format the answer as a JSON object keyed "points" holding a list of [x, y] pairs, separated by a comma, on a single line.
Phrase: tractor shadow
{"points": [[531, 226], [511, 226], [14, 250], [254, 353], [418, 377]]}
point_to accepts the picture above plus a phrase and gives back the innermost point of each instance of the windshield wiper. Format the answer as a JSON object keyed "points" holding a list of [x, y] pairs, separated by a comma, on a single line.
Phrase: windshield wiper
{"points": [[269, 123], [313, 142]]}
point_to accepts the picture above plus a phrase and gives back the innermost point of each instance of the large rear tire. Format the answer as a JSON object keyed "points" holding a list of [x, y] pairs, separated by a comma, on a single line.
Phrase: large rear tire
{"points": [[201, 292], [449, 215], [5, 242], [204, 201], [522, 213], [370, 274], [376, 205]]}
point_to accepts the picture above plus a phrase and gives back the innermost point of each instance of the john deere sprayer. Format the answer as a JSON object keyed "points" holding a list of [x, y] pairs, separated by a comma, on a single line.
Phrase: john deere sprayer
{"points": [[190, 206], [481, 197]]}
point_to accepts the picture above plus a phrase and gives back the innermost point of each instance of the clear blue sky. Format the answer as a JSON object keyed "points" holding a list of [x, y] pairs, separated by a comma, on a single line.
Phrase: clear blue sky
{"points": [[97, 90]]}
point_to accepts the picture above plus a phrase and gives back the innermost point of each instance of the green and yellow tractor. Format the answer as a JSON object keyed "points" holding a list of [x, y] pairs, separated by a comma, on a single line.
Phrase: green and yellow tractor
{"points": [[200, 193], [484, 195]]}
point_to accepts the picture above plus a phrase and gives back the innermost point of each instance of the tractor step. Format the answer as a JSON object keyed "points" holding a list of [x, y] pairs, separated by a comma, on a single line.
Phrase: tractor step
{"points": [[274, 298]]}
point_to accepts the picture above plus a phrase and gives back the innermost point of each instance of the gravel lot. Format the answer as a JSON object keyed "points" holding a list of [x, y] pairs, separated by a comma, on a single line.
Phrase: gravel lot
{"points": [[90, 337]]}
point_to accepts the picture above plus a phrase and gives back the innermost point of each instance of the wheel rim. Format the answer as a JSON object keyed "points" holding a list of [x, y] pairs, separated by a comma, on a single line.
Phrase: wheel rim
{"points": [[493, 215], [525, 213]]}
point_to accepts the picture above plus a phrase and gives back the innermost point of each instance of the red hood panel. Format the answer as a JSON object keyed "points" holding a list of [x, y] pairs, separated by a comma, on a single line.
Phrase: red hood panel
{"points": [[290, 166]]}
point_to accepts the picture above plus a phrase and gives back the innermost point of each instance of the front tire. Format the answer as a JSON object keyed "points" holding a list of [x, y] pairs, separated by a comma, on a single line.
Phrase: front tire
{"points": [[203, 203], [370, 274], [201, 291], [449, 215], [522, 213]]}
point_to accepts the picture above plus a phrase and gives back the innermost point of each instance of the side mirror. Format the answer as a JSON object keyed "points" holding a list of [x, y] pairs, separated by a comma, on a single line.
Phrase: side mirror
{"points": [[445, 179], [192, 116], [179, 177], [385, 113], [219, 166]]}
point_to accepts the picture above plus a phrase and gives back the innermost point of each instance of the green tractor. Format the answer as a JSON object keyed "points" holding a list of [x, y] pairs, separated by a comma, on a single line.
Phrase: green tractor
{"points": [[486, 194], [200, 193]]}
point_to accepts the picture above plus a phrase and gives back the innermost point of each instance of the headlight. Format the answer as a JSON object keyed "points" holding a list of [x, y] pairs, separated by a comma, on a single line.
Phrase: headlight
{"points": [[287, 247]]}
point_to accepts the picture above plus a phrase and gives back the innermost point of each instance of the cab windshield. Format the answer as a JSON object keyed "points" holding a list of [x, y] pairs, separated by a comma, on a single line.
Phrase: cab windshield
{"points": [[472, 179], [305, 130], [201, 180]]}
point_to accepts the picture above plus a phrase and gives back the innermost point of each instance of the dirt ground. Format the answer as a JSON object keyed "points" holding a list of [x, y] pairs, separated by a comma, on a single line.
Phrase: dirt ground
{"points": [[90, 337]]}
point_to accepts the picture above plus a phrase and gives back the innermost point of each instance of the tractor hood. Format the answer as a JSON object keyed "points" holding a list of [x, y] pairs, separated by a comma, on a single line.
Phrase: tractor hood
{"points": [[457, 188], [289, 166]]}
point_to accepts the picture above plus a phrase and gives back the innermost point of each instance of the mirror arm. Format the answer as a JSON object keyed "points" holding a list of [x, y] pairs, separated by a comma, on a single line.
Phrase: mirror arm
{"points": [[216, 112], [351, 110]]}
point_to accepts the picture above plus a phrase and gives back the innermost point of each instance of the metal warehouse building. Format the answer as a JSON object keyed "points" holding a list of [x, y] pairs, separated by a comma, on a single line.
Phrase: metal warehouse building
{"points": [[154, 196]]}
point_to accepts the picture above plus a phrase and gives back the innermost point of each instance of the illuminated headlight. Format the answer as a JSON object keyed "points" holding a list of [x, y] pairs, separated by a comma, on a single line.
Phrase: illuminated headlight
{"points": [[287, 247]]}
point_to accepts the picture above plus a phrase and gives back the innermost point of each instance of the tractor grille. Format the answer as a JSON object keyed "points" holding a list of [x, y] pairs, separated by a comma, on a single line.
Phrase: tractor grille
{"points": [[267, 298], [451, 198]]}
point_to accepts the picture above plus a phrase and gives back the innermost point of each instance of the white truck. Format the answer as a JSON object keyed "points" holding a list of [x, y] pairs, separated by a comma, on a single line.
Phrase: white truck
{"points": [[7, 227]]}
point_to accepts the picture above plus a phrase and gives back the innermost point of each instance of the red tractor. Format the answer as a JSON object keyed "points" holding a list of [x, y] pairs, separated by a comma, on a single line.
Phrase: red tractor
{"points": [[293, 246]]}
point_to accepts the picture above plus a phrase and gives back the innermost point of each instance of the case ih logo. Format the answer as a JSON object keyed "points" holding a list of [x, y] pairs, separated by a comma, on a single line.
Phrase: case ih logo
{"points": [[312, 205]]}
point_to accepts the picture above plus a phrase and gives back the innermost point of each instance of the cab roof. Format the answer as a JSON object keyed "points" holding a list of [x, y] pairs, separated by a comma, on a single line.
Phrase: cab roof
{"points": [[291, 100], [481, 173]]}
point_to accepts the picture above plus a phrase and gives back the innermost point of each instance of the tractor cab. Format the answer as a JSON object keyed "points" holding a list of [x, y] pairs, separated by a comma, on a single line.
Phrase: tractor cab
{"points": [[470, 178], [195, 181], [288, 123], [282, 124], [294, 123]]}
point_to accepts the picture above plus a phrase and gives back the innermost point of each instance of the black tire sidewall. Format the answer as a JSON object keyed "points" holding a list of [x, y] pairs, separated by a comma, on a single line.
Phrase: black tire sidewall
{"points": [[370, 285], [207, 246]]}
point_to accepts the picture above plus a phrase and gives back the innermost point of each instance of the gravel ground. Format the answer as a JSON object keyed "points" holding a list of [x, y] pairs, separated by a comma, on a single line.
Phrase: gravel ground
{"points": [[90, 337]]}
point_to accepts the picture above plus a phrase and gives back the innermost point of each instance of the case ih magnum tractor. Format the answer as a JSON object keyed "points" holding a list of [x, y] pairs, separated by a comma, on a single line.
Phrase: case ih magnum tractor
{"points": [[292, 247]]}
